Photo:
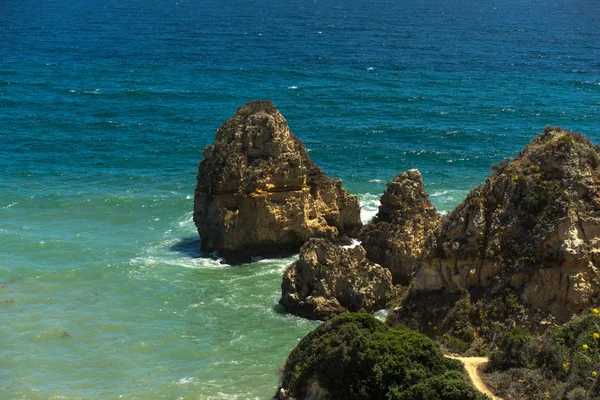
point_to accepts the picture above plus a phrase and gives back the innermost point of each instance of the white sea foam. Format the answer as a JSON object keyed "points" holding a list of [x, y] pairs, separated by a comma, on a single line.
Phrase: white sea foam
{"points": [[187, 221], [237, 339], [352, 245], [293, 87], [445, 200], [195, 263], [369, 205], [439, 193], [10, 205]]}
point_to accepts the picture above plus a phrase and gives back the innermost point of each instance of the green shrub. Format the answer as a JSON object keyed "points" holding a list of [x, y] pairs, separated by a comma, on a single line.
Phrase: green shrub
{"points": [[578, 393], [565, 142], [456, 345], [355, 356], [565, 361], [516, 349], [449, 386]]}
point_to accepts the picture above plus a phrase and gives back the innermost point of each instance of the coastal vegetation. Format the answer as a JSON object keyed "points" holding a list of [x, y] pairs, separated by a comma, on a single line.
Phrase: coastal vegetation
{"points": [[471, 326], [563, 363], [354, 356]]}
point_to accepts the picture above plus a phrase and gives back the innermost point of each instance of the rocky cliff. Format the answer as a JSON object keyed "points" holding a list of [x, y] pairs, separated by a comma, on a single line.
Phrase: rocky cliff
{"points": [[329, 279], [258, 192], [395, 237], [532, 228]]}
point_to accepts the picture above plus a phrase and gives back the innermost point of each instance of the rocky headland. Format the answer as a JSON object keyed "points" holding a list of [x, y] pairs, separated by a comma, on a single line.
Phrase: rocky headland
{"points": [[258, 193], [329, 279], [529, 235], [396, 236]]}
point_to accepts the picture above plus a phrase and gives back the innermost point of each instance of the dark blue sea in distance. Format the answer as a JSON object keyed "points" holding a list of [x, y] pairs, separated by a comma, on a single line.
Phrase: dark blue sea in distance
{"points": [[106, 106]]}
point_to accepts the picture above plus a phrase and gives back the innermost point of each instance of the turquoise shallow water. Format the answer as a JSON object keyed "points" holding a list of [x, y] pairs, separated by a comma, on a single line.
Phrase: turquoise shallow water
{"points": [[106, 106]]}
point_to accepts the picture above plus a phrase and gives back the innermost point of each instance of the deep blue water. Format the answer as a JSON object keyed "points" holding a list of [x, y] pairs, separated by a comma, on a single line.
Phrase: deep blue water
{"points": [[105, 107]]}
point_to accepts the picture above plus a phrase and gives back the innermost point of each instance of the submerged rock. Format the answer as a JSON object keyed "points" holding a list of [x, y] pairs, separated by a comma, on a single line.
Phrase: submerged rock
{"points": [[329, 279], [258, 193], [532, 228], [395, 237]]}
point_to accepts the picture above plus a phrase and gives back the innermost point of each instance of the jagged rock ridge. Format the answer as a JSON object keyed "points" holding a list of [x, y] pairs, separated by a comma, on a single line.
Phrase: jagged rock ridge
{"points": [[533, 227], [258, 192], [329, 279], [395, 237]]}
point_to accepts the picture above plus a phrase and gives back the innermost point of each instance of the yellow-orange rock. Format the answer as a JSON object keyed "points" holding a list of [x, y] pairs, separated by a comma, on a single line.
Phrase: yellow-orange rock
{"points": [[258, 193], [396, 236], [329, 279], [534, 227]]}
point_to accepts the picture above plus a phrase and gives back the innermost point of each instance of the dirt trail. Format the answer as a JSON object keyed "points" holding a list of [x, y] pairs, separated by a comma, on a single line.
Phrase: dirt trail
{"points": [[471, 365]]}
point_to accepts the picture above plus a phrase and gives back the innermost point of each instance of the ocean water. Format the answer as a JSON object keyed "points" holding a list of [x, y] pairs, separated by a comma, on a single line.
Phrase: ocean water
{"points": [[106, 106]]}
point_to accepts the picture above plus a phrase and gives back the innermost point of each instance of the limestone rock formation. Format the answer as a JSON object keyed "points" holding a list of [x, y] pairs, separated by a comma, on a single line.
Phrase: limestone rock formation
{"points": [[395, 237], [533, 227], [258, 192], [329, 279]]}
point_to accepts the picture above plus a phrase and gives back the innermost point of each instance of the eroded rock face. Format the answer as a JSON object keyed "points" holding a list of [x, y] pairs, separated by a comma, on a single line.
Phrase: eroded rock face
{"points": [[258, 192], [534, 227], [329, 279], [395, 237]]}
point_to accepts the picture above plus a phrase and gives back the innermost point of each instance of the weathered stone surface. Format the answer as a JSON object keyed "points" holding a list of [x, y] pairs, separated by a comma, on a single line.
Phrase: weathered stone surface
{"points": [[395, 237], [533, 227], [258, 192], [329, 279]]}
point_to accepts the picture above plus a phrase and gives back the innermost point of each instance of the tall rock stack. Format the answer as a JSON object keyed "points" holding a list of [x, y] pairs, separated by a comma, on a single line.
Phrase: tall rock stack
{"points": [[533, 227], [258, 193], [396, 236]]}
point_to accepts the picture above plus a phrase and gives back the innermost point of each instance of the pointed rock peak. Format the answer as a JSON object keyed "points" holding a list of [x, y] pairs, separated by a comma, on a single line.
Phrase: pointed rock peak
{"points": [[257, 106], [404, 197], [555, 154], [406, 217], [257, 130]]}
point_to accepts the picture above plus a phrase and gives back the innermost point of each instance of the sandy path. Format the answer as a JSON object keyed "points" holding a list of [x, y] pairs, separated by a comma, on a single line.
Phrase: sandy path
{"points": [[471, 365]]}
